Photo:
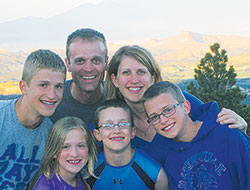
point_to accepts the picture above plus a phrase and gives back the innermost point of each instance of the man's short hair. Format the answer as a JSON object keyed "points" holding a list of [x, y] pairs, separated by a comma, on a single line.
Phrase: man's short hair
{"points": [[85, 34], [42, 59]]}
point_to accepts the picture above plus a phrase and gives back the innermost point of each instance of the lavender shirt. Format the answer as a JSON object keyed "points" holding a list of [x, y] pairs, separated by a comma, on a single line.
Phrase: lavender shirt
{"points": [[55, 184]]}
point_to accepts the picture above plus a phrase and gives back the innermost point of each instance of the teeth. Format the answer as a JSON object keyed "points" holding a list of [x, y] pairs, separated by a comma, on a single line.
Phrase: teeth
{"points": [[73, 161], [167, 128], [89, 77], [134, 89], [117, 138], [48, 103]]}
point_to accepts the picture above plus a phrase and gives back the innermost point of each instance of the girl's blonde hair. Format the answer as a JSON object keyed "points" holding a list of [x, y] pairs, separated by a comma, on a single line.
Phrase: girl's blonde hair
{"points": [[57, 135]]}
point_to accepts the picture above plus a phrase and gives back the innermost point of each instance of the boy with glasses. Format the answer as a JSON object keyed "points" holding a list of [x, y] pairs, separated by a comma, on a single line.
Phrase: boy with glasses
{"points": [[200, 154], [122, 166]]}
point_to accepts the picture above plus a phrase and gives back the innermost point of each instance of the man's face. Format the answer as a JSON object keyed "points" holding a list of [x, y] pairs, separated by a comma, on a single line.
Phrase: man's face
{"points": [[44, 92], [174, 126], [87, 64]]}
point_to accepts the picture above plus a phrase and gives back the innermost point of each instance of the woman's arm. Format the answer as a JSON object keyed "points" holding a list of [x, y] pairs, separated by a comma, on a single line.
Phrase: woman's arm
{"points": [[162, 181], [227, 116]]}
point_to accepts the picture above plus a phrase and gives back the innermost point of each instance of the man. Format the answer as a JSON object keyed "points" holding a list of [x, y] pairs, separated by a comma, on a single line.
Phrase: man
{"points": [[201, 154], [86, 59], [24, 122]]}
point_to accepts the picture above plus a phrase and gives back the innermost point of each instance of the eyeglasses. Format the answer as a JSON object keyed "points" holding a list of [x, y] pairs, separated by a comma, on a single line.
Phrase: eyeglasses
{"points": [[169, 111], [111, 126]]}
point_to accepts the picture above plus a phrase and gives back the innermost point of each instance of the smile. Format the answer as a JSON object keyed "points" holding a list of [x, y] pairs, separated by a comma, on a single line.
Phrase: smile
{"points": [[166, 129], [135, 88], [48, 103], [116, 138], [88, 77], [74, 161]]}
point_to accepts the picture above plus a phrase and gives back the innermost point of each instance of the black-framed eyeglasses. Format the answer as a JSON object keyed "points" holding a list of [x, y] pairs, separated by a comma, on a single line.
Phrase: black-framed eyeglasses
{"points": [[111, 126], [167, 112]]}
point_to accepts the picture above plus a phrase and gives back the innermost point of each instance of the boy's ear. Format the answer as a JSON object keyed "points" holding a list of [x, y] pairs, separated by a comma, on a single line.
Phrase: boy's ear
{"points": [[23, 87], [97, 135], [186, 106], [114, 81], [67, 64]]}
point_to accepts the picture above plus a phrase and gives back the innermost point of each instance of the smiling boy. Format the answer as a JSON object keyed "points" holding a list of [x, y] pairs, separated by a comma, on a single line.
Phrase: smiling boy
{"points": [[200, 154], [24, 122], [122, 166]]}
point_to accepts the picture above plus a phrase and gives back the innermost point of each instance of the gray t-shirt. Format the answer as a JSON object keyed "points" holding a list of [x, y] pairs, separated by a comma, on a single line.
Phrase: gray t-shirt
{"points": [[71, 107], [21, 149]]}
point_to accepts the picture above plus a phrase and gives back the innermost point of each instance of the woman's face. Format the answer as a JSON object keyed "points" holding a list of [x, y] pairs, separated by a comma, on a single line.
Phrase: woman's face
{"points": [[132, 79]]}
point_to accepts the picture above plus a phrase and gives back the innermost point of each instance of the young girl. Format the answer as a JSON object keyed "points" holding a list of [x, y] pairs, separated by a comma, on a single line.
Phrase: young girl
{"points": [[70, 153]]}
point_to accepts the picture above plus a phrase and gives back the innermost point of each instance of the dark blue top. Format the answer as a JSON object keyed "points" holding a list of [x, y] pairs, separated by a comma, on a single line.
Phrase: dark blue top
{"points": [[154, 148], [216, 158]]}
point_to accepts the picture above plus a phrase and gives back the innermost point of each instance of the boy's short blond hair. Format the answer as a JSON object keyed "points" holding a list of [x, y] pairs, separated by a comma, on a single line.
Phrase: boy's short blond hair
{"points": [[42, 59]]}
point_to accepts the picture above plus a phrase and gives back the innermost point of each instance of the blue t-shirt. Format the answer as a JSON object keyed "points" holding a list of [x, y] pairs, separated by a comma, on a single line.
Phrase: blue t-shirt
{"points": [[127, 176], [21, 149]]}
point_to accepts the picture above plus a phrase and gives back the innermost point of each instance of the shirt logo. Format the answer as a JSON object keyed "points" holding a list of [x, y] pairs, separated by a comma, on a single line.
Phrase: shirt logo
{"points": [[200, 172]]}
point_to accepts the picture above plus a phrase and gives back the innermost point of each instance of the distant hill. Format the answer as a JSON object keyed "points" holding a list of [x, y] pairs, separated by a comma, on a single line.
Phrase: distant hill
{"points": [[177, 55], [244, 85]]}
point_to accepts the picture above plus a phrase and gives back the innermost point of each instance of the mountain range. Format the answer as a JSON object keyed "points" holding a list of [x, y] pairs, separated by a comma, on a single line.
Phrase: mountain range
{"points": [[177, 55], [126, 20]]}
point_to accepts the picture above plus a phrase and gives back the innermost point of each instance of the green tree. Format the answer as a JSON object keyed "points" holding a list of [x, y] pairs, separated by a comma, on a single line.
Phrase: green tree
{"points": [[216, 82]]}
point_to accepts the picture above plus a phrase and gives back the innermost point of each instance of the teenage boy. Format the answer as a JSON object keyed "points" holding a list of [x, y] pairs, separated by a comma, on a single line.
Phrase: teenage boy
{"points": [[201, 154], [122, 166], [24, 122]]}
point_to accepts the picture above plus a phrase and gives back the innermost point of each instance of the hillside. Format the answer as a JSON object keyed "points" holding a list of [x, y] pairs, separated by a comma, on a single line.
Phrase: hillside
{"points": [[9, 90], [177, 55]]}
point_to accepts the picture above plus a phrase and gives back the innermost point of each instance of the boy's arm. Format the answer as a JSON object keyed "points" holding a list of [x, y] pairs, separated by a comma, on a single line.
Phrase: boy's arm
{"points": [[162, 181]]}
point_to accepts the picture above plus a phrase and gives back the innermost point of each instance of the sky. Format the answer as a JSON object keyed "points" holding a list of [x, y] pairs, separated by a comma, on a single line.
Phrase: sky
{"points": [[15, 9], [201, 16]]}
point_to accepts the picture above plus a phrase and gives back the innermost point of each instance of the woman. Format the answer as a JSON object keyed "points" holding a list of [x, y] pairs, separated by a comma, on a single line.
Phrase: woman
{"points": [[131, 71]]}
